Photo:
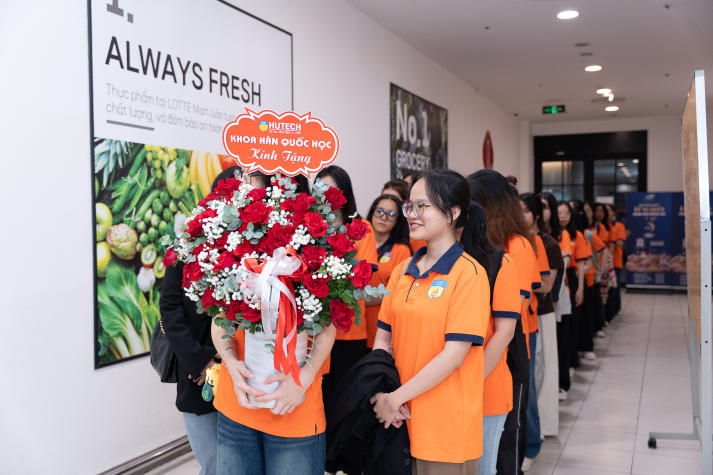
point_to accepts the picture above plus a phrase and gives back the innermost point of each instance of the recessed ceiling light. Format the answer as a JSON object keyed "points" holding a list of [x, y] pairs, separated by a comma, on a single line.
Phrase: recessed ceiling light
{"points": [[636, 160], [592, 68], [567, 14], [604, 91], [611, 108]]}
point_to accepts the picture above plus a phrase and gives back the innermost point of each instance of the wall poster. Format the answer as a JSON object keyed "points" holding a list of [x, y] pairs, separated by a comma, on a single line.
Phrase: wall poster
{"points": [[649, 217], [165, 78], [419, 134]]}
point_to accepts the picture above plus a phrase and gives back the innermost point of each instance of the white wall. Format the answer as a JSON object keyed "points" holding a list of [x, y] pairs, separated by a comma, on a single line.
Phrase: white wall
{"points": [[58, 414], [665, 149]]}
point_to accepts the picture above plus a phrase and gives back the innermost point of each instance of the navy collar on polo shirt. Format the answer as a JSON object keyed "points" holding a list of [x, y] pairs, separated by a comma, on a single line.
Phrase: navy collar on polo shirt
{"points": [[442, 266]]}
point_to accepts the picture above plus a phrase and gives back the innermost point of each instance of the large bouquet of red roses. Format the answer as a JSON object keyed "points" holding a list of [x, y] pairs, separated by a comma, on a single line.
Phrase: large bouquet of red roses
{"points": [[254, 255]]}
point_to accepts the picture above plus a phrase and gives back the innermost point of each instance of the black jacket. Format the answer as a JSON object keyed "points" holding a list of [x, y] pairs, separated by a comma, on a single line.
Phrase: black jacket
{"points": [[358, 443], [189, 335]]}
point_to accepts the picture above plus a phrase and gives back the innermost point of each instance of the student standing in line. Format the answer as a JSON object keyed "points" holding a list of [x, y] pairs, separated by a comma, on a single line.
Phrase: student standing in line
{"points": [[392, 248], [349, 346], [506, 228], [563, 303], [189, 335], [435, 319], [578, 268], [544, 373], [504, 314], [617, 237], [290, 437]]}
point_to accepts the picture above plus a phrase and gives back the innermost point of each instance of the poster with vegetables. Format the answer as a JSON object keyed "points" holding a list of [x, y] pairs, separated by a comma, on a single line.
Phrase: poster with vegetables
{"points": [[159, 102]]}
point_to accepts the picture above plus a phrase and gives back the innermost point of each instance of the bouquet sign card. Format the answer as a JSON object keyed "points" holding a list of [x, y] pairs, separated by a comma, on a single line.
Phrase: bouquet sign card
{"points": [[285, 143]]}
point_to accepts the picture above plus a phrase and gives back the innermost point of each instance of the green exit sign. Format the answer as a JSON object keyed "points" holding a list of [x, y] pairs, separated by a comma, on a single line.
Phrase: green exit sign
{"points": [[558, 109]]}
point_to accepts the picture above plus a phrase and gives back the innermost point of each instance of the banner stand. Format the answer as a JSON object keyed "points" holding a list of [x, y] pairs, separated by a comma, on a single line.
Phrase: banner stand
{"points": [[695, 161]]}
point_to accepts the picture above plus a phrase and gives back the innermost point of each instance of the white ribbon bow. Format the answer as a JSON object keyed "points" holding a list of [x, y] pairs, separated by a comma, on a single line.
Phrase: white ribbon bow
{"points": [[266, 286]]}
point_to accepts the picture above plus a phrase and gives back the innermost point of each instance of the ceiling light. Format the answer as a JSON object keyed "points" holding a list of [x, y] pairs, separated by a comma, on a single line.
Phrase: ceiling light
{"points": [[593, 68], [611, 108], [603, 91], [567, 14], [636, 160]]}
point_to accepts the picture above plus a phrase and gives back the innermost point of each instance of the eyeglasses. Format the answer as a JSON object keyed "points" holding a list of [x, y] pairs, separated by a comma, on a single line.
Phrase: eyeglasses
{"points": [[417, 208], [382, 213]]}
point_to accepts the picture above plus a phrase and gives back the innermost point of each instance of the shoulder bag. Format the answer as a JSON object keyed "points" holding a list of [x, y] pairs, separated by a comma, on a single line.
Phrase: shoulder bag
{"points": [[163, 359]]}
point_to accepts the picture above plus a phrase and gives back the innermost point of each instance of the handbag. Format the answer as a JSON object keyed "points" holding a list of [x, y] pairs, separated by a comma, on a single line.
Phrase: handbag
{"points": [[163, 359]]}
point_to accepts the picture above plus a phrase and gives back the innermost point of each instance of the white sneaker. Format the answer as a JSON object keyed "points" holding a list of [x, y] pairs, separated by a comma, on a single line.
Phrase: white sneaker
{"points": [[589, 355], [527, 464], [562, 395]]}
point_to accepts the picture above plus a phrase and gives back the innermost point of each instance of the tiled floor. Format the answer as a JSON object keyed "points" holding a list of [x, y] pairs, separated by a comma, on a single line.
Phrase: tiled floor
{"points": [[640, 383]]}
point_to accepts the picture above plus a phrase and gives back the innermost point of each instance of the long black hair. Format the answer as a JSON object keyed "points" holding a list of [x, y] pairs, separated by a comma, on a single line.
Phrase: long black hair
{"points": [[571, 227], [399, 233], [499, 197], [554, 229], [447, 189], [474, 238], [534, 204], [344, 183]]}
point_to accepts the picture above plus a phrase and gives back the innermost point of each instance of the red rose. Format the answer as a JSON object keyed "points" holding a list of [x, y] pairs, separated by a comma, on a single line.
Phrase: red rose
{"points": [[361, 274], [226, 187], [251, 315], [313, 256], [340, 243], [191, 272], [207, 300], [170, 257], [316, 226], [232, 310], [277, 236], [357, 229], [300, 203], [257, 194], [225, 261], [335, 198], [195, 226], [243, 248], [317, 286], [221, 242], [256, 213], [340, 314]]}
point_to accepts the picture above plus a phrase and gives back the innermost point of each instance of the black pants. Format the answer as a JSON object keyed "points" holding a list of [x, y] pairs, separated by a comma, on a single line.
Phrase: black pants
{"points": [[345, 353], [563, 350], [588, 324], [572, 360], [513, 440]]}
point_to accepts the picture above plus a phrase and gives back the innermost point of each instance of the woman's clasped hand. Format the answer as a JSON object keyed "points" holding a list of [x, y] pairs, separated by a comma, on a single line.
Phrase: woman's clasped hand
{"points": [[387, 412]]}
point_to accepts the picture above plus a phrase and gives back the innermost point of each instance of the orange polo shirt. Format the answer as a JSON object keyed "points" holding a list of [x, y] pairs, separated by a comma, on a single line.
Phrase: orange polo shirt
{"points": [[525, 261], [565, 245], [390, 255], [449, 302], [543, 268], [581, 250], [306, 420], [618, 233], [497, 394], [599, 246], [366, 249]]}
